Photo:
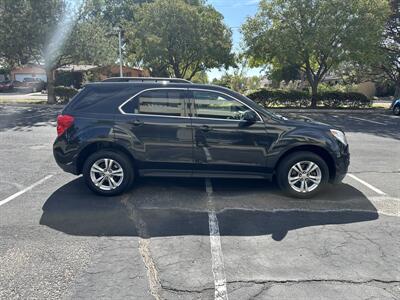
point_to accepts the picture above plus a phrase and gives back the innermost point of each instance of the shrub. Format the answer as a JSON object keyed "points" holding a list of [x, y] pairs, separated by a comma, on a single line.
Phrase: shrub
{"points": [[277, 98], [344, 100], [297, 99], [345, 88], [64, 94]]}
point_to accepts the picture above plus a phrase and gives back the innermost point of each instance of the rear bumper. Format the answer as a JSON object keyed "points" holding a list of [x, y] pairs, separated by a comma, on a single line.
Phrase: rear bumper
{"points": [[69, 168], [66, 160]]}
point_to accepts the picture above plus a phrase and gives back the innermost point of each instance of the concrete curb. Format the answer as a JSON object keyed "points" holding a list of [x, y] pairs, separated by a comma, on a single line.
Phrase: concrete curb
{"points": [[336, 111]]}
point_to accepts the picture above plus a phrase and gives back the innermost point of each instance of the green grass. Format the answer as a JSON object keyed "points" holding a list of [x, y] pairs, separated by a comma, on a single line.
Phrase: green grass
{"points": [[381, 105]]}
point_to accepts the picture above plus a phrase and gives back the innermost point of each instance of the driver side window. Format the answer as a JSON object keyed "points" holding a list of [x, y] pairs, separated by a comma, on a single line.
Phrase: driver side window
{"points": [[217, 106]]}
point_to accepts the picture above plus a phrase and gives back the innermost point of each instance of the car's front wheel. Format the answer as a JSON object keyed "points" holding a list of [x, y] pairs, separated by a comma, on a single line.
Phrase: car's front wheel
{"points": [[302, 174], [396, 110], [108, 173]]}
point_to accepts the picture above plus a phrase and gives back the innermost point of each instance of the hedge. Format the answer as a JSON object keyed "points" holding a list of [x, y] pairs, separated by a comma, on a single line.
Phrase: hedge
{"points": [[64, 94], [298, 99]]}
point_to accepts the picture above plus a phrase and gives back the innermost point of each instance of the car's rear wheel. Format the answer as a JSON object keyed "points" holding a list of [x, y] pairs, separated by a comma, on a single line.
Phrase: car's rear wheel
{"points": [[108, 173], [302, 174], [396, 110]]}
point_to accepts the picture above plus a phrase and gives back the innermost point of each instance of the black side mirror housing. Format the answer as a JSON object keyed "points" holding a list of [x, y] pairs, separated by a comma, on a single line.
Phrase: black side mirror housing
{"points": [[249, 116]]}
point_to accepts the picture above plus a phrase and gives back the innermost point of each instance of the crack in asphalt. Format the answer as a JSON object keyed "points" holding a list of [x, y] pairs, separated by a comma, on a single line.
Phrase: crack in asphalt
{"points": [[185, 291], [269, 283], [290, 281], [144, 247]]}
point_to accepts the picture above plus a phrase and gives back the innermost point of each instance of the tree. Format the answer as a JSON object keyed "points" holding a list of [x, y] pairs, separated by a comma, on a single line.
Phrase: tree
{"points": [[316, 35], [179, 38], [389, 50], [15, 36], [53, 32], [286, 72], [201, 77], [237, 79], [238, 82]]}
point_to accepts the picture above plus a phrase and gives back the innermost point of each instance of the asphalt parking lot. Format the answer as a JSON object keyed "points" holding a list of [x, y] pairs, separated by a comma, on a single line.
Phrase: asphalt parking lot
{"points": [[196, 238]]}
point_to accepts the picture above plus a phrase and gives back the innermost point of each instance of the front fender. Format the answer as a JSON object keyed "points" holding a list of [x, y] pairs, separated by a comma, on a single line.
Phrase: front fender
{"points": [[302, 139]]}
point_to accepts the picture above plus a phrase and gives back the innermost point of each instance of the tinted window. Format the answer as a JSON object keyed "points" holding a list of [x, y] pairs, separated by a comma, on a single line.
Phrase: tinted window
{"points": [[161, 102], [217, 106], [101, 99]]}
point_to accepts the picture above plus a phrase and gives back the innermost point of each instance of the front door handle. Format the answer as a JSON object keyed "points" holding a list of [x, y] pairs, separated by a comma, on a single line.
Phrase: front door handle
{"points": [[137, 123], [205, 128]]}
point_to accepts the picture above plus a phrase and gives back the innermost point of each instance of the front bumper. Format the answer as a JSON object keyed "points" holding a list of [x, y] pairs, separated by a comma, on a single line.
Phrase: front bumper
{"points": [[342, 165]]}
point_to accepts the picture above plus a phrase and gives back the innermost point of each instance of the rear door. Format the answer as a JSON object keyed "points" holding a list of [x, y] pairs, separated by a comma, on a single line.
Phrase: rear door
{"points": [[223, 142], [158, 127]]}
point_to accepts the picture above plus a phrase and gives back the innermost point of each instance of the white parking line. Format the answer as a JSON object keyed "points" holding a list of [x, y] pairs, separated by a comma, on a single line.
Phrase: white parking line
{"points": [[370, 186], [25, 190], [217, 259], [365, 120], [388, 116]]}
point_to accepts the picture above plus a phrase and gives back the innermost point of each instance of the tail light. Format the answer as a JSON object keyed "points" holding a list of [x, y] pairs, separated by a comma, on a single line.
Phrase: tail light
{"points": [[63, 123]]}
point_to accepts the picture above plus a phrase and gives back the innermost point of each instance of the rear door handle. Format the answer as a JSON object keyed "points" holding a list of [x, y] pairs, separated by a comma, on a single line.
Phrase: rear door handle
{"points": [[205, 128], [137, 123]]}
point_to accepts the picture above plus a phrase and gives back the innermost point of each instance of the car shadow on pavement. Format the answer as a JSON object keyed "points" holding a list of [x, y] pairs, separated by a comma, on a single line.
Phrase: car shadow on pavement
{"points": [[176, 207], [25, 118]]}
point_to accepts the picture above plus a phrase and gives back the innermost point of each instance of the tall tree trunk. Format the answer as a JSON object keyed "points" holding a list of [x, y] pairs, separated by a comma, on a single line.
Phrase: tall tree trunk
{"points": [[397, 91], [177, 71], [51, 98], [314, 94]]}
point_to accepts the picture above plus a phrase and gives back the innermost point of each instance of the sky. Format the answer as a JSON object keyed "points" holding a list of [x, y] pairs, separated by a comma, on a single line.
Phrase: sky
{"points": [[235, 13]]}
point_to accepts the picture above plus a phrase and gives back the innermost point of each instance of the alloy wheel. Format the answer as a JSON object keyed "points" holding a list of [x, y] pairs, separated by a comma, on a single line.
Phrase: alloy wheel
{"points": [[107, 174], [304, 176]]}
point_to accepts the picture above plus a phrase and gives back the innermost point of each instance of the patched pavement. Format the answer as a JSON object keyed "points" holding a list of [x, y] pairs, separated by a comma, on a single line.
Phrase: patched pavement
{"points": [[193, 239]]}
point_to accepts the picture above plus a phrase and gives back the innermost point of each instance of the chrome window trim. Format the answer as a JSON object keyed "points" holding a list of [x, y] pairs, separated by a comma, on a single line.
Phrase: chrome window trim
{"points": [[229, 96], [146, 90], [186, 89]]}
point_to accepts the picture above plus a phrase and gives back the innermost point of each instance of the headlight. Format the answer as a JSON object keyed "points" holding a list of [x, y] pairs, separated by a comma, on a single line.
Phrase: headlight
{"points": [[340, 136]]}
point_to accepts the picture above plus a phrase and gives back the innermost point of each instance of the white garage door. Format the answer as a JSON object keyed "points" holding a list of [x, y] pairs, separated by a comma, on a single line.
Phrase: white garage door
{"points": [[20, 77]]}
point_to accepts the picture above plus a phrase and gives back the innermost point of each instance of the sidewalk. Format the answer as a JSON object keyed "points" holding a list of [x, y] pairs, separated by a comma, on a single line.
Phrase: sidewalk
{"points": [[326, 110], [15, 98]]}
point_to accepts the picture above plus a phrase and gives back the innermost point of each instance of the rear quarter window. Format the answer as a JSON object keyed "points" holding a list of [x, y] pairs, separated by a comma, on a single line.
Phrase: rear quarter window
{"points": [[101, 99]]}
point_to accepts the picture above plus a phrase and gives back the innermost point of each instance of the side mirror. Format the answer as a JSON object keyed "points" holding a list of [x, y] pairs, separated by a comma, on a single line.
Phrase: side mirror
{"points": [[249, 116]]}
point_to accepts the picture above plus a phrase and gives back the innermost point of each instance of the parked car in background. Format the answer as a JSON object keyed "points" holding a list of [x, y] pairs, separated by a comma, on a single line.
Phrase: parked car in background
{"points": [[6, 86], [17, 83], [395, 107], [111, 132], [34, 84]]}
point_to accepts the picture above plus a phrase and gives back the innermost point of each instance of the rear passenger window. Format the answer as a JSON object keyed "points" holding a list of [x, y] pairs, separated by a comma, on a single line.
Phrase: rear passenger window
{"points": [[161, 102], [101, 99]]}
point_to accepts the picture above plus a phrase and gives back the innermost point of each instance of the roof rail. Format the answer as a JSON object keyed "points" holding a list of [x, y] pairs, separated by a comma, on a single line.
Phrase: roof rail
{"points": [[146, 79]]}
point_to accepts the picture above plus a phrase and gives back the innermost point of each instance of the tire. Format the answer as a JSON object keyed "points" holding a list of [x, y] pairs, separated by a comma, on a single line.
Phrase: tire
{"points": [[120, 182], [396, 110], [306, 159]]}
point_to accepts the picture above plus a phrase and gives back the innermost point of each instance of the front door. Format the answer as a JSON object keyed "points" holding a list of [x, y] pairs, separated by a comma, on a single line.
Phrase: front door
{"points": [[160, 130], [223, 141]]}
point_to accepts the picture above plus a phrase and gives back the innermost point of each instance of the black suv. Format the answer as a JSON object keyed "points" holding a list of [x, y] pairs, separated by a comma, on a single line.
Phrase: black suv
{"points": [[112, 132]]}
